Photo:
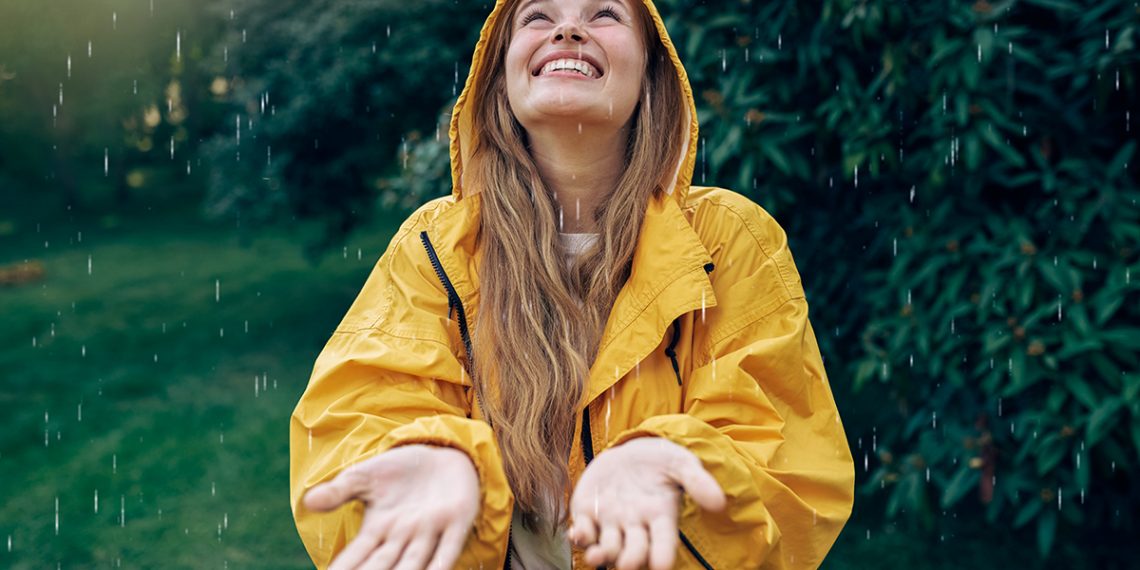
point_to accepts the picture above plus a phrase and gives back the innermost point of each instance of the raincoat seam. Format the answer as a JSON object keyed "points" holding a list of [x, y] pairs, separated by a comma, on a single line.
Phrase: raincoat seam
{"points": [[774, 256], [766, 311], [406, 229]]}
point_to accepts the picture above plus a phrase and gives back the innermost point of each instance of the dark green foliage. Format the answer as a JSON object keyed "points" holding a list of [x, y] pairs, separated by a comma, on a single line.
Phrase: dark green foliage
{"points": [[976, 264], [323, 93]]}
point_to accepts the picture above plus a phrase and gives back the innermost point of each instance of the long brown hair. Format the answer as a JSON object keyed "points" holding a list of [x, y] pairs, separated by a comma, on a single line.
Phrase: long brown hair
{"points": [[540, 321]]}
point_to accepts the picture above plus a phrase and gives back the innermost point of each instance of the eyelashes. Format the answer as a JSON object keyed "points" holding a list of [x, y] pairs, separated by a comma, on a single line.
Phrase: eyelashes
{"points": [[537, 13]]}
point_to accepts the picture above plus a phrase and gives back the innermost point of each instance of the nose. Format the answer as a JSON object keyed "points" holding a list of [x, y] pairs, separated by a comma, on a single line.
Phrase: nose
{"points": [[570, 29]]}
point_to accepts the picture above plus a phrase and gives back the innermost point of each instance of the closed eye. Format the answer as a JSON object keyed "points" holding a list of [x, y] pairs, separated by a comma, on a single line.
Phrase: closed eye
{"points": [[536, 14]]}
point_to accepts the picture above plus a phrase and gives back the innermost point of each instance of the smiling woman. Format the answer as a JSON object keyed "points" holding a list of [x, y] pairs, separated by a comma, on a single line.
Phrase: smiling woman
{"points": [[663, 389]]}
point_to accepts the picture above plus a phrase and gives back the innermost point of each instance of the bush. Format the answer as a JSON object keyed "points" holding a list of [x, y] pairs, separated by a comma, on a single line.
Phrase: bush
{"points": [[977, 258], [321, 94]]}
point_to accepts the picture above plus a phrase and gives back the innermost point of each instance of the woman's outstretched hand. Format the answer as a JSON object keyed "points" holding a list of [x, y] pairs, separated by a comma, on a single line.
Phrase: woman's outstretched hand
{"points": [[419, 504], [625, 505]]}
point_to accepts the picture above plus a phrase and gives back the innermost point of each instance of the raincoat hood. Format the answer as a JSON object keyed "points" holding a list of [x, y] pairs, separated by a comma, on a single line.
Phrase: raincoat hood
{"points": [[462, 135]]}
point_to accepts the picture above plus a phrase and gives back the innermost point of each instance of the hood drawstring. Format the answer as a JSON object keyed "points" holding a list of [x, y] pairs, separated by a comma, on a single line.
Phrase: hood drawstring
{"points": [[669, 350]]}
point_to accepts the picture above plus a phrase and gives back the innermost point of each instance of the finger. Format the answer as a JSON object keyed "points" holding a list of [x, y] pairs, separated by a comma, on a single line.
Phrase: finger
{"points": [[607, 548], [332, 494], [662, 543], [416, 555], [584, 532], [635, 547], [370, 536], [449, 547], [385, 557], [702, 487]]}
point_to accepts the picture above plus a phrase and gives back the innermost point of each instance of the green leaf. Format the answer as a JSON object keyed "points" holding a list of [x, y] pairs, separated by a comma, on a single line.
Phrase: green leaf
{"points": [[1102, 420], [1052, 449], [1081, 390], [964, 480], [1128, 337], [1116, 167], [1027, 512], [1046, 529]]}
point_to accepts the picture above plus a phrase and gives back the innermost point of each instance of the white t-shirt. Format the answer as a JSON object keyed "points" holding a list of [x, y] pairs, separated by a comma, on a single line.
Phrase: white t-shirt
{"points": [[541, 551]]}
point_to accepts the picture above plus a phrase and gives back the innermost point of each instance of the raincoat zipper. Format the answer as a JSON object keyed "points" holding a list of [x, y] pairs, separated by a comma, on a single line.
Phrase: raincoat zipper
{"points": [[455, 303]]}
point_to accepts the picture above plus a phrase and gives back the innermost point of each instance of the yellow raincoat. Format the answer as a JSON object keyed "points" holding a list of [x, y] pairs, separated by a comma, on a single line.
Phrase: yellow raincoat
{"points": [[708, 345]]}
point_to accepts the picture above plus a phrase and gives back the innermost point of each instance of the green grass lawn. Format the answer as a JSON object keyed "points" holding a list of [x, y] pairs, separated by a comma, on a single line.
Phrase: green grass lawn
{"points": [[147, 383]]}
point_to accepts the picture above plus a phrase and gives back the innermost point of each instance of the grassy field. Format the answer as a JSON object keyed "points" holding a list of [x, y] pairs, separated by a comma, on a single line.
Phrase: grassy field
{"points": [[147, 383]]}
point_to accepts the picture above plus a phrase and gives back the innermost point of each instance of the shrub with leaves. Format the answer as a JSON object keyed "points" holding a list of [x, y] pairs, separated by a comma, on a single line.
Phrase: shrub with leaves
{"points": [[959, 183], [322, 94]]}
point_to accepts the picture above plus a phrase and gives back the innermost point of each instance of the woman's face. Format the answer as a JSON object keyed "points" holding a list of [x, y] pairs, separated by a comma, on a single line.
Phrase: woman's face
{"points": [[603, 34]]}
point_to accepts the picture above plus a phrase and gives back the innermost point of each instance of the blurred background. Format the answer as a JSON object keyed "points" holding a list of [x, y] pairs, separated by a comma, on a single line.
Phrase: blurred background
{"points": [[193, 192]]}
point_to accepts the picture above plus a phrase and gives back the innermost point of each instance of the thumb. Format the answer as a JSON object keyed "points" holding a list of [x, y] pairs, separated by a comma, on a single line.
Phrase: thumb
{"points": [[702, 487], [331, 494]]}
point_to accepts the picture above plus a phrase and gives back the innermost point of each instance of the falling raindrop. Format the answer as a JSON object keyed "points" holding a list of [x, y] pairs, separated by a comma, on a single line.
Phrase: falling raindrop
{"points": [[217, 290], [213, 488], [57, 515], [83, 350], [122, 511], [106, 163], [79, 413], [114, 20], [69, 66], [934, 419], [114, 463], [96, 501], [89, 49], [88, 259]]}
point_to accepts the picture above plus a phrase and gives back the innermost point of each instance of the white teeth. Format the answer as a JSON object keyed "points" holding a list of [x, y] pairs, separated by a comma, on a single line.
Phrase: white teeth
{"points": [[578, 65]]}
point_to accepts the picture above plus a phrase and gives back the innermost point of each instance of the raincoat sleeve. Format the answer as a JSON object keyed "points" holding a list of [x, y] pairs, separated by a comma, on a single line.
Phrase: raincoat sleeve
{"points": [[759, 414], [388, 377]]}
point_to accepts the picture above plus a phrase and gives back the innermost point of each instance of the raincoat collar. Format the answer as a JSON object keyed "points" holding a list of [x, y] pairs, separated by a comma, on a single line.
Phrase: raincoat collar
{"points": [[669, 277]]}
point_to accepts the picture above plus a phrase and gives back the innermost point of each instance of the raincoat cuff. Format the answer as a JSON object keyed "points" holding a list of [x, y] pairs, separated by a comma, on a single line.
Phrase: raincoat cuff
{"points": [[488, 541]]}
